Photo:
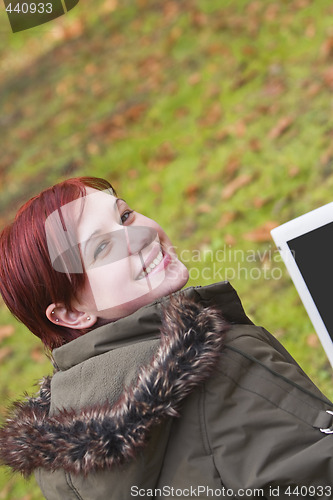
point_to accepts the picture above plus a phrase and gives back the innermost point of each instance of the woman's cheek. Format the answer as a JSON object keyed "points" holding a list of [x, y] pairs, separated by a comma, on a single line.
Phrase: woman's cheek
{"points": [[113, 285]]}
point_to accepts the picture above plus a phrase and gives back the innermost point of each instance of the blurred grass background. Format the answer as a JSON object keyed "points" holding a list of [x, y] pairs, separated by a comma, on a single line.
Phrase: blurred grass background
{"points": [[214, 118]]}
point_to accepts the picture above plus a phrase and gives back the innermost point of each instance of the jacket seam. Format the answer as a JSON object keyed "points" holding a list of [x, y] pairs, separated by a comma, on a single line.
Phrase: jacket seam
{"points": [[203, 429], [285, 410], [280, 376], [290, 393], [275, 383], [72, 487], [202, 422]]}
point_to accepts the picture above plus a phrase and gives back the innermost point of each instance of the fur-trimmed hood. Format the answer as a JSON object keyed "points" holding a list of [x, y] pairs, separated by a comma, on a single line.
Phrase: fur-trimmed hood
{"points": [[100, 436]]}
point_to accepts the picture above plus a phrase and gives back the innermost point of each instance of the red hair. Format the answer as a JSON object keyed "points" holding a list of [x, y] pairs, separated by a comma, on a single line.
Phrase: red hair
{"points": [[28, 281]]}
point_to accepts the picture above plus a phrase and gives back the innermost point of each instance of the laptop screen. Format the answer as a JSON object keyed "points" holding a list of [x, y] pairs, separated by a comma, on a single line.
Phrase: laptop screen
{"points": [[313, 253]]}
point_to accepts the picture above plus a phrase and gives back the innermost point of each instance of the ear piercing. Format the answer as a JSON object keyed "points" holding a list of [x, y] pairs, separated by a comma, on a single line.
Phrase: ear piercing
{"points": [[56, 319]]}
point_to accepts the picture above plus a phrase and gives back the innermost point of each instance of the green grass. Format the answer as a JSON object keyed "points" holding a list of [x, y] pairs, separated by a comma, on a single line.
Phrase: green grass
{"points": [[172, 101]]}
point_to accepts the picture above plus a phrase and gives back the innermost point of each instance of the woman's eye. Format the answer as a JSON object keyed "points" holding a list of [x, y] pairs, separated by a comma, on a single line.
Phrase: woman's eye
{"points": [[100, 249], [126, 215]]}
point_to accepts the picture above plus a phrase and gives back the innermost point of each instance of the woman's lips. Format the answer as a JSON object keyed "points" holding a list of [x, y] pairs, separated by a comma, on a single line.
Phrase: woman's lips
{"points": [[157, 264]]}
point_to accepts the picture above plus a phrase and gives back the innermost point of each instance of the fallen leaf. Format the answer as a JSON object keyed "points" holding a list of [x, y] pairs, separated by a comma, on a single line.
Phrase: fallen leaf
{"points": [[226, 219], [164, 155], [255, 145], [312, 340], [326, 50], [233, 186], [37, 354], [6, 331], [261, 233], [259, 202], [230, 240], [194, 79], [212, 116], [281, 127], [133, 173], [204, 208], [232, 165], [170, 10], [191, 192], [314, 89], [199, 19], [310, 30], [271, 12], [5, 352], [238, 129], [328, 78], [156, 188], [293, 170], [109, 6]]}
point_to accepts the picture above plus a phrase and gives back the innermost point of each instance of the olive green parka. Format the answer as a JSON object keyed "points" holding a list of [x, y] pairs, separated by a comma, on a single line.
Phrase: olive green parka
{"points": [[185, 398]]}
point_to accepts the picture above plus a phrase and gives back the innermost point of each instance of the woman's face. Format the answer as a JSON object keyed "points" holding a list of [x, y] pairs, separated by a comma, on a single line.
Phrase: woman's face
{"points": [[128, 258]]}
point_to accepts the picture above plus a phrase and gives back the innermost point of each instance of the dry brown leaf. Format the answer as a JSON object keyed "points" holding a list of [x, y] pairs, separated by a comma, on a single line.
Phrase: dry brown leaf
{"points": [[238, 129], [255, 145], [232, 165], [68, 32], [5, 352], [328, 78], [259, 202], [6, 331], [281, 127], [204, 208], [199, 19], [226, 219], [233, 186], [191, 192], [326, 50], [229, 240], [313, 340], [37, 354], [194, 79], [314, 89], [109, 6], [262, 233], [212, 116], [293, 170], [170, 10], [164, 155]]}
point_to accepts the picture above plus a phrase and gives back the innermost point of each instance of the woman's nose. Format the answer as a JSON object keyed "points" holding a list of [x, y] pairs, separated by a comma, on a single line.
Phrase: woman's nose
{"points": [[139, 237]]}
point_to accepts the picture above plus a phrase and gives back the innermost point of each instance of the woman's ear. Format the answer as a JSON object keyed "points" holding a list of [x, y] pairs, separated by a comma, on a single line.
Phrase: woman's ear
{"points": [[61, 316]]}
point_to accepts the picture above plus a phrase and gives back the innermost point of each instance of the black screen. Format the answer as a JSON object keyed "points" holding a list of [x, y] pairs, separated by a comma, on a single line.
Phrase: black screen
{"points": [[313, 253]]}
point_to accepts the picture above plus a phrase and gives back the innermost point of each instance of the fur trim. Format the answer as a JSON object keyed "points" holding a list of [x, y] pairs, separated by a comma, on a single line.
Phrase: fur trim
{"points": [[101, 436]]}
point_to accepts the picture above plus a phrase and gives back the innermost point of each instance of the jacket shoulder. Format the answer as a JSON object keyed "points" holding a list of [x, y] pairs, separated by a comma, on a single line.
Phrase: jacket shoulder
{"points": [[256, 361], [261, 402]]}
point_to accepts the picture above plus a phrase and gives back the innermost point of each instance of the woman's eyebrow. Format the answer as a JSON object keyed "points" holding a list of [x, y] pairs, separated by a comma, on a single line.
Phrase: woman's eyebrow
{"points": [[99, 231]]}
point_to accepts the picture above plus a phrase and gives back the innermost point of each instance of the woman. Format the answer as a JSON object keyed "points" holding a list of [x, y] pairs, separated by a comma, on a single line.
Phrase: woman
{"points": [[156, 393]]}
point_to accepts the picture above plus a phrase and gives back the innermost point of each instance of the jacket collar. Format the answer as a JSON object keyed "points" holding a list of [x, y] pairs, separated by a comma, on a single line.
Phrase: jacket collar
{"points": [[191, 334], [145, 324]]}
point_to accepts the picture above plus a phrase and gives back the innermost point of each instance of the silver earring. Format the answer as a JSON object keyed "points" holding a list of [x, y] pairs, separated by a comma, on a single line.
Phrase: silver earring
{"points": [[52, 312], [56, 320], [88, 318]]}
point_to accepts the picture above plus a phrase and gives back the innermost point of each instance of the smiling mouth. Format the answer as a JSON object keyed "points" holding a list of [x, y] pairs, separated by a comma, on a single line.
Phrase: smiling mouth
{"points": [[146, 270]]}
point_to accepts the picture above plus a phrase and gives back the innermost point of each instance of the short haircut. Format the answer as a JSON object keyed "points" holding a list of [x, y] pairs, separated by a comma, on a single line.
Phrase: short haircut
{"points": [[28, 281]]}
